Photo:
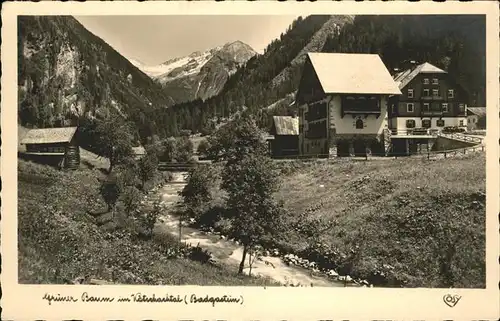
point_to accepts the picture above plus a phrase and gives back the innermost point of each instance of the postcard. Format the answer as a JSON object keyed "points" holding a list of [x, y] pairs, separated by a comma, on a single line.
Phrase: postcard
{"points": [[250, 160]]}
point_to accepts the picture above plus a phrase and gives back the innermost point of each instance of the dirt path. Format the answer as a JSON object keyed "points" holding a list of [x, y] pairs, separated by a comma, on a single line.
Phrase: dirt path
{"points": [[229, 252]]}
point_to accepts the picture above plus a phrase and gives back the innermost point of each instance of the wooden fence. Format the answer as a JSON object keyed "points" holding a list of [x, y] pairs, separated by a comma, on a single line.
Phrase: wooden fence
{"points": [[462, 137], [421, 154]]}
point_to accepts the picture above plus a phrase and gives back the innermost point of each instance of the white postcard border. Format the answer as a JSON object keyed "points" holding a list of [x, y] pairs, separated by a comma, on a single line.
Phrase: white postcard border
{"points": [[24, 302]]}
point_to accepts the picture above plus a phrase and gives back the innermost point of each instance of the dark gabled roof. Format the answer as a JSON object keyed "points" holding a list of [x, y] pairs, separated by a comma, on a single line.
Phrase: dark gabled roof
{"points": [[403, 78], [351, 73], [49, 135], [478, 111], [286, 125]]}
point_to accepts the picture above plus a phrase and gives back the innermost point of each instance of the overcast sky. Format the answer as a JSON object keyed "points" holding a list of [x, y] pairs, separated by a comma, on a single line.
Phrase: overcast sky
{"points": [[155, 39]]}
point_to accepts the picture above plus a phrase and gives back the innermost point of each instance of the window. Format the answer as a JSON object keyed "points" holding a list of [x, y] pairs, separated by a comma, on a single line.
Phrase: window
{"points": [[410, 93], [435, 92], [426, 92], [445, 107], [409, 107], [451, 93], [426, 81], [461, 123], [435, 81], [426, 123], [426, 107], [410, 123], [461, 108], [440, 122], [359, 124]]}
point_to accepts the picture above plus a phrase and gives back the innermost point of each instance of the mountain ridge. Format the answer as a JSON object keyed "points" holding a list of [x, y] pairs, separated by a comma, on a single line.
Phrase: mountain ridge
{"points": [[201, 74], [67, 74]]}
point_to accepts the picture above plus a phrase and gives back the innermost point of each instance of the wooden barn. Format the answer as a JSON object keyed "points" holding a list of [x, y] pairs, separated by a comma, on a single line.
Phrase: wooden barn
{"points": [[285, 130], [53, 146]]}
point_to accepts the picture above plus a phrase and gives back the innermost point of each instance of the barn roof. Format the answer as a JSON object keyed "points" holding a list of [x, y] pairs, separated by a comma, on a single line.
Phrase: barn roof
{"points": [[352, 73], [49, 135], [403, 78], [286, 125], [478, 111]]}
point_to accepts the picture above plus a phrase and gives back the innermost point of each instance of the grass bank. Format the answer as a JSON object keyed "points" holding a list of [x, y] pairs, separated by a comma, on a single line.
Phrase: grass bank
{"points": [[397, 223], [406, 222], [60, 238]]}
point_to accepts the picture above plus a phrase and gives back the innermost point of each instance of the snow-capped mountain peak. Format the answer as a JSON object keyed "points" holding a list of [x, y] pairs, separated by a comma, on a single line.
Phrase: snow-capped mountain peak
{"points": [[200, 74]]}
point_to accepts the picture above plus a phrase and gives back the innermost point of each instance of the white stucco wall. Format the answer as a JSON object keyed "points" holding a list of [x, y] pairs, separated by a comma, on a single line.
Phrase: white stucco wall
{"points": [[347, 125], [472, 121]]}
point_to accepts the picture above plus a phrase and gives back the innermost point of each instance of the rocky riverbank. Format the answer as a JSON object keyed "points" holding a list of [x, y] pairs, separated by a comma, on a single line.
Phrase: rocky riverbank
{"points": [[288, 269]]}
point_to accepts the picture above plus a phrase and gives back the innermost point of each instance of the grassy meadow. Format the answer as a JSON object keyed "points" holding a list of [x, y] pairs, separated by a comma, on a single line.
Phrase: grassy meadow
{"points": [[396, 223], [412, 222]]}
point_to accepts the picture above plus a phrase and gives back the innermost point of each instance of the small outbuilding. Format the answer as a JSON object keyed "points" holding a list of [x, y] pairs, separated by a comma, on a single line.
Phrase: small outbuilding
{"points": [[476, 118], [53, 146], [285, 130]]}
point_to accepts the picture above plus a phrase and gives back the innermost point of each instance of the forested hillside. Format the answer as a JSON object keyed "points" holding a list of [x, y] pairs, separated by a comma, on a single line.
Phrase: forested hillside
{"points": [[252, 86], [454, 43], [67, 74]]}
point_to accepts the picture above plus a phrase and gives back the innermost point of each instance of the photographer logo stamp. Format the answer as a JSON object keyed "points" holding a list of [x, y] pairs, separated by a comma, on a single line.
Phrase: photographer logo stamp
{"points": [[451, 300]]}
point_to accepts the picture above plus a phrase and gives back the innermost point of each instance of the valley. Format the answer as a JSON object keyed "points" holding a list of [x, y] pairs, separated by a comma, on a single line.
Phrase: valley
{"points": [[342, 155]]}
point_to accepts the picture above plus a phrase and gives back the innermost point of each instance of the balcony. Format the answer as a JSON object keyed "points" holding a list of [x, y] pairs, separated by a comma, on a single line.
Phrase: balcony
{"points": [[360, 109], [431, 113]]}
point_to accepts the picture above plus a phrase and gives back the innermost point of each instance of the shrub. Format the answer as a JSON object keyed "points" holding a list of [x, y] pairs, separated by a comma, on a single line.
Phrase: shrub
{"points": [[176, 149], [110, 192], [198, 191], [126, 175], [130, 197], [147, 168], [184, 149], [169, 149], [149, 217], [203, 147]]}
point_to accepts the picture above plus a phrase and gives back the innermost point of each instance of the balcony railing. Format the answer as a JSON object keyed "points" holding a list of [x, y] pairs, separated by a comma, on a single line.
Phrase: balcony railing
{"points": [[415, 131], [431, 112], [361, 110], [432, 97]]}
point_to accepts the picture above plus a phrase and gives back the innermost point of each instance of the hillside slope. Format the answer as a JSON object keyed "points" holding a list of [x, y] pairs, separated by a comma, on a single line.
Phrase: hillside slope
{"points": [[66, 73], [407, 222], [394, 223], [59, 240], [251, 87], [455, 43]]}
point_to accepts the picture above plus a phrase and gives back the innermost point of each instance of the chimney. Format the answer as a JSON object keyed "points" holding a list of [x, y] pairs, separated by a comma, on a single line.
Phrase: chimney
{"points": [[413, 64]]}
